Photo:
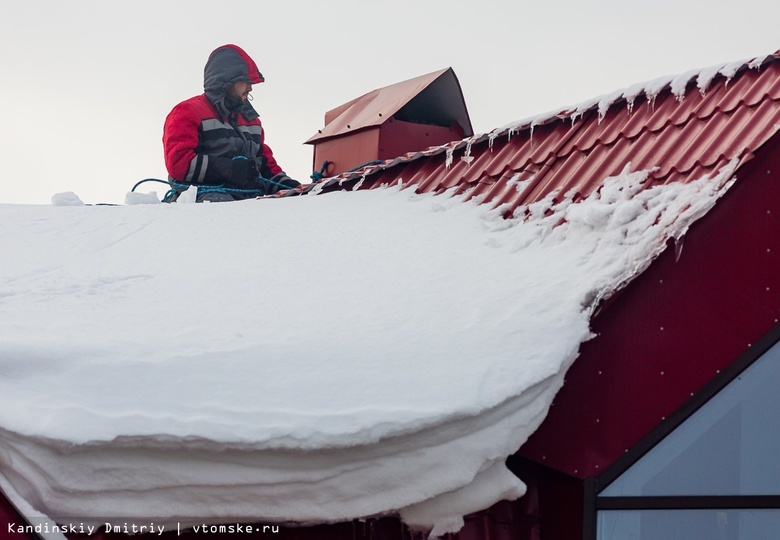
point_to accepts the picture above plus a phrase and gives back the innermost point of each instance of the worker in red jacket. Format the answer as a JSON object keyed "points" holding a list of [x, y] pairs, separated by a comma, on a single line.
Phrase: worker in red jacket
{"points": [[216, 139]]}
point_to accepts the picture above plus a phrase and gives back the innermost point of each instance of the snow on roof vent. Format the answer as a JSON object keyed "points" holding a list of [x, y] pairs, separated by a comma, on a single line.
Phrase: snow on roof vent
{"points": [[389, 122]]}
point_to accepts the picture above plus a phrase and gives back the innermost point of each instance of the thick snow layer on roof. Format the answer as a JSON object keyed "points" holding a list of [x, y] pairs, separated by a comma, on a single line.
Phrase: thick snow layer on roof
{"points": [[305, 360]]}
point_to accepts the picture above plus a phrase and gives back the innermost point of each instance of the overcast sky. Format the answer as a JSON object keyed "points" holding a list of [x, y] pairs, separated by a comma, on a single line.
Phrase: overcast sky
{"points": [[87, 84]]}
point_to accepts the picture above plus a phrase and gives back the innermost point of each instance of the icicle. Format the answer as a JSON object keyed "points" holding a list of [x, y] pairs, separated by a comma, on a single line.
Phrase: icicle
{"points": [[679, 243], [630, 95], [602, 113], [730, 70], [606, 102], [680, 83], [651, 101], [360, 182], [756, 63], [467, 157], [491, 138], [706, 76], [653, 88], [448, 160]]}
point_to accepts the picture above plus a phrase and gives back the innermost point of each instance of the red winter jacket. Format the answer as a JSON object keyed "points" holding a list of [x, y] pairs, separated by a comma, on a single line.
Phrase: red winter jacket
{"points": [[205, 127]]}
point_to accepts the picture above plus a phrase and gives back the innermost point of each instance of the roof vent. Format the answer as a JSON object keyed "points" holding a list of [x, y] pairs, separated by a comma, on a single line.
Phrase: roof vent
{"points": [[389, 122]]}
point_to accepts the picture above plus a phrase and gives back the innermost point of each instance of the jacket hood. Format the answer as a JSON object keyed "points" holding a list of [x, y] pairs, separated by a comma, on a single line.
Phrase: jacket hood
{"points": [[226, 65]]}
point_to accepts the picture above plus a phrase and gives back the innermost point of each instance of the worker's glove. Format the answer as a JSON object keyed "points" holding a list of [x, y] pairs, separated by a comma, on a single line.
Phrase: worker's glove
{"points": [[239, 173], [243, 174], [281, 180]]}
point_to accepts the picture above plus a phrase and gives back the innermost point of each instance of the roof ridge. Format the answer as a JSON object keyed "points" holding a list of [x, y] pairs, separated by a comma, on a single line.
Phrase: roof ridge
{"points": [[651, 89]]}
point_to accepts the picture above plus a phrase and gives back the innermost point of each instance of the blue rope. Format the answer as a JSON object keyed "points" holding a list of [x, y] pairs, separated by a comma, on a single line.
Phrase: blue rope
{"points": [[149, 180], [178, 187], [316, 176]]}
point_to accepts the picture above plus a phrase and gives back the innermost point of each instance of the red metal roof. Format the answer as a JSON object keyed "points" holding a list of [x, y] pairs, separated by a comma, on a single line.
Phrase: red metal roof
{"points": [[679, 136], [681, 319]]}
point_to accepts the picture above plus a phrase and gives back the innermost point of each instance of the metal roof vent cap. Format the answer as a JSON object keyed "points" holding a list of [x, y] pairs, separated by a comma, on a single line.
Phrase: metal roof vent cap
{"points": [[389, 122]]}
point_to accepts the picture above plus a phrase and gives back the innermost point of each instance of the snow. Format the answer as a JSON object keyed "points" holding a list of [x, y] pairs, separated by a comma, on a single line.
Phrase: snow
{"points": [[67, 198], [137, 197], [677, 84], [306, 359]]}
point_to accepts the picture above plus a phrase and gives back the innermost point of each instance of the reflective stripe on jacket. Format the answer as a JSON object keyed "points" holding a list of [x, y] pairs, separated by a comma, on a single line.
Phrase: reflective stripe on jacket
{"points": [[194, 131]]}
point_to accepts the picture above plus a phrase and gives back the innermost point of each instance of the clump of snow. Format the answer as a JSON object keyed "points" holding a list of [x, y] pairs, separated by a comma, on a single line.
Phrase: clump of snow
{"points": [[136, 197], [706, 76], [757, 62], [67, 198], [308, 359], [188, 196], [679, 84]]}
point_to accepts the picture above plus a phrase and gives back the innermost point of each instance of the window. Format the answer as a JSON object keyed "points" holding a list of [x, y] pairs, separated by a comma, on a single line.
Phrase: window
{"points": [[717, 475]]}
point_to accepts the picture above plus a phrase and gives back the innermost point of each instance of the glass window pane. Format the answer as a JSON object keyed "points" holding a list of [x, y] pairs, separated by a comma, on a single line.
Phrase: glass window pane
{"points": [[728, 447], [747, 524]]}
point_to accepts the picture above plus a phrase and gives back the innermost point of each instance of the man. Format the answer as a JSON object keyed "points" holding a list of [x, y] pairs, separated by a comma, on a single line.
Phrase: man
{"points": [[216, 141]]}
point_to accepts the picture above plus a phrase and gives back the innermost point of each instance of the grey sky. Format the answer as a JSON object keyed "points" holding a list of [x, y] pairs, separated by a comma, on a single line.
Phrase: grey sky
{"points": [[87, 84]]}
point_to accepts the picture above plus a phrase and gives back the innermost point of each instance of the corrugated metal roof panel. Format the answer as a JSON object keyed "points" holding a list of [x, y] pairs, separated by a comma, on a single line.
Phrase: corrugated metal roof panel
{"points": [[678, 137]]}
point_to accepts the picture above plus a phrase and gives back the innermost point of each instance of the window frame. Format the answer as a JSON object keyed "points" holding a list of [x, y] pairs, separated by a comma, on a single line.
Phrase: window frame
{"points": [[594, 502]]}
